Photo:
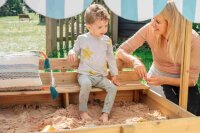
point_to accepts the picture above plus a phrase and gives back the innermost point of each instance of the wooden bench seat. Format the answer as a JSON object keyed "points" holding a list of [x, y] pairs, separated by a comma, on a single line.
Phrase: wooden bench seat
{"points": [[73, 88], [66, 81]]}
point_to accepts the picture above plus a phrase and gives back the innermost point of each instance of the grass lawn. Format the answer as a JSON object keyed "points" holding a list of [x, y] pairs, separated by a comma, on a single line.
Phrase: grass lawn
{"points": [[24, 35]]}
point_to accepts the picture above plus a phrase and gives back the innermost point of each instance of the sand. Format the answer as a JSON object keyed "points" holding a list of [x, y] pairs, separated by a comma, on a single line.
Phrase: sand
{"points": [[34, 118]]}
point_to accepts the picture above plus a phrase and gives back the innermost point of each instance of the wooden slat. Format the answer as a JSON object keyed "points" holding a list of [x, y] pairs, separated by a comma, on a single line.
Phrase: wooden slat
{"points": [[136, 96], [82, 23], [73, 88], [71, 77], [6, 100], [114, 25], [102, 129], [67, 34], [61, 22], [61, 78], [58, 64], [66, 99], [184, 125], [72, 31], [167, 107], [51, 32], [39, 92], [62, 63], [77, 25]]}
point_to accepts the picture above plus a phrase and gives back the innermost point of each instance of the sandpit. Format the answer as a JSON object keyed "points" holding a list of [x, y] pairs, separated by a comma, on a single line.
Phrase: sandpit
{"points": [[33, 118]]}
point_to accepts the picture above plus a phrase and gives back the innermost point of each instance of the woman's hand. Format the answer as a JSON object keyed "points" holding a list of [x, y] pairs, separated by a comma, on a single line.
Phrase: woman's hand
{"points": [[156, 80], [141, 70]]}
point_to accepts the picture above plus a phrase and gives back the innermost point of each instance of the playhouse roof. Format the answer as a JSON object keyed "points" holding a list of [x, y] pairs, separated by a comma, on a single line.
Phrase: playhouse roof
{"points": [[137, 10]]}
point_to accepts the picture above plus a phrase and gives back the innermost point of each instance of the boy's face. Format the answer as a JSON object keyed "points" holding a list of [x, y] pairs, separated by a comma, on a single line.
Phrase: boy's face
{"points": [[98, 28]]}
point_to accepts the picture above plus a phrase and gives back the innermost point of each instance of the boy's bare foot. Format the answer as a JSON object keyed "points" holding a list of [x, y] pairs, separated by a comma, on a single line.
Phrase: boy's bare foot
{"points": [[85, 116], [104, 117]]}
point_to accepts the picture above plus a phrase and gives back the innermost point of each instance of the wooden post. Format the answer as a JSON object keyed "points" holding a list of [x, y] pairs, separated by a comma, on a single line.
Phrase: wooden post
{"points": [[185, 66], [61, 23], [77, 25], [72, 31], [67, 35], [51, 35], [114, 31], [66, 100], [82, 23]]}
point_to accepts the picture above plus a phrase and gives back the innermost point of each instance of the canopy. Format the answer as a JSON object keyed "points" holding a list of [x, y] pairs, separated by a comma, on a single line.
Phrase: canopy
{"points": [[58, 9], [137, 10], [190, 9]]}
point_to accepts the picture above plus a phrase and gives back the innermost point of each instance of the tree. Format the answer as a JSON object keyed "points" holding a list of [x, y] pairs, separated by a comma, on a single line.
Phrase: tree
{"points": [[11, 8]]}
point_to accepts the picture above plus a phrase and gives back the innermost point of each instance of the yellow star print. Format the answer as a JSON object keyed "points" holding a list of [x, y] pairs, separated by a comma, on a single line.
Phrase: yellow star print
{"points": [[92, 73], [109, 42], [105, 67], [87, 53]]}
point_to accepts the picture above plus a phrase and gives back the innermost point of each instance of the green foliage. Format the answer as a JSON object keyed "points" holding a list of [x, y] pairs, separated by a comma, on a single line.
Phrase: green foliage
{"points": [[145, 55], [196, 27], [11, 8], [143, 81]]}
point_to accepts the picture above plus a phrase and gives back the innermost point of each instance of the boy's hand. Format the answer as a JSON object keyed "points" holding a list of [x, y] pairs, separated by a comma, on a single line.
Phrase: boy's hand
{"points": [[72, 57], [115, 81]]}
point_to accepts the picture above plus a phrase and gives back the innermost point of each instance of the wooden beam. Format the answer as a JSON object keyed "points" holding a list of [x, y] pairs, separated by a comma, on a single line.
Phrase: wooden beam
{"points": [[66, 100], [102, 129], [66, 34], [183, 125], [61, 24], [185, 66], [156, 101], [72, 31], [51, 32], [114, 31]]}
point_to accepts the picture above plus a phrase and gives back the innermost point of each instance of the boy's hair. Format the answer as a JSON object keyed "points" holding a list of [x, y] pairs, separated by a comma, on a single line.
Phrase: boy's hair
{"points": [[96, 12]]}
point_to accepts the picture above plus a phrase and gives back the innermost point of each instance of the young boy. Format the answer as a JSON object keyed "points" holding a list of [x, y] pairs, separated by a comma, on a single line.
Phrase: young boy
{"points": [[95, 51]]}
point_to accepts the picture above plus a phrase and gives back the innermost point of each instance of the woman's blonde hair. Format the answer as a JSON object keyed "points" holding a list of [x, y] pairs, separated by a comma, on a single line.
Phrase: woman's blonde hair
{"points": [[176, 31]]}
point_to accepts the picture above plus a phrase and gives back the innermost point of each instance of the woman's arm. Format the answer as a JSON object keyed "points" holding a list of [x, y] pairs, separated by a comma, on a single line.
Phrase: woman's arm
{"points": [[163, 80], [137, 64], [126, 57], [137, 40]]}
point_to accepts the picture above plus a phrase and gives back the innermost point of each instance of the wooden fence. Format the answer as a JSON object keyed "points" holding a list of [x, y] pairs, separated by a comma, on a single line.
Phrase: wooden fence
{"points": [[61, 34]]}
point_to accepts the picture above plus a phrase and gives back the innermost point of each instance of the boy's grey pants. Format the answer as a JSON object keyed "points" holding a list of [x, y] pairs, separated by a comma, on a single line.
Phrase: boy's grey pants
{"points": [[86, 82]]}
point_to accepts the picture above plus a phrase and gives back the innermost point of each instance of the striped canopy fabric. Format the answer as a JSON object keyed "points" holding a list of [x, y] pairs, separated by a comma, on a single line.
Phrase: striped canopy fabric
{"points": [[190, 9], [58, 9], [137, 10], [2, 2], [19, 71]]}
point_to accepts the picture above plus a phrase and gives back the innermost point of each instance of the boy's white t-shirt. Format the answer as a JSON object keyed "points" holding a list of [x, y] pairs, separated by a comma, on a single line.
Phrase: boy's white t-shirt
{"points": [[96, 53]]}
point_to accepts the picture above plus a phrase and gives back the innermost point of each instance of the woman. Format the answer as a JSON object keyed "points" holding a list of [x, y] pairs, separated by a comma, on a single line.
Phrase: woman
{"points": [[165, 40]]}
